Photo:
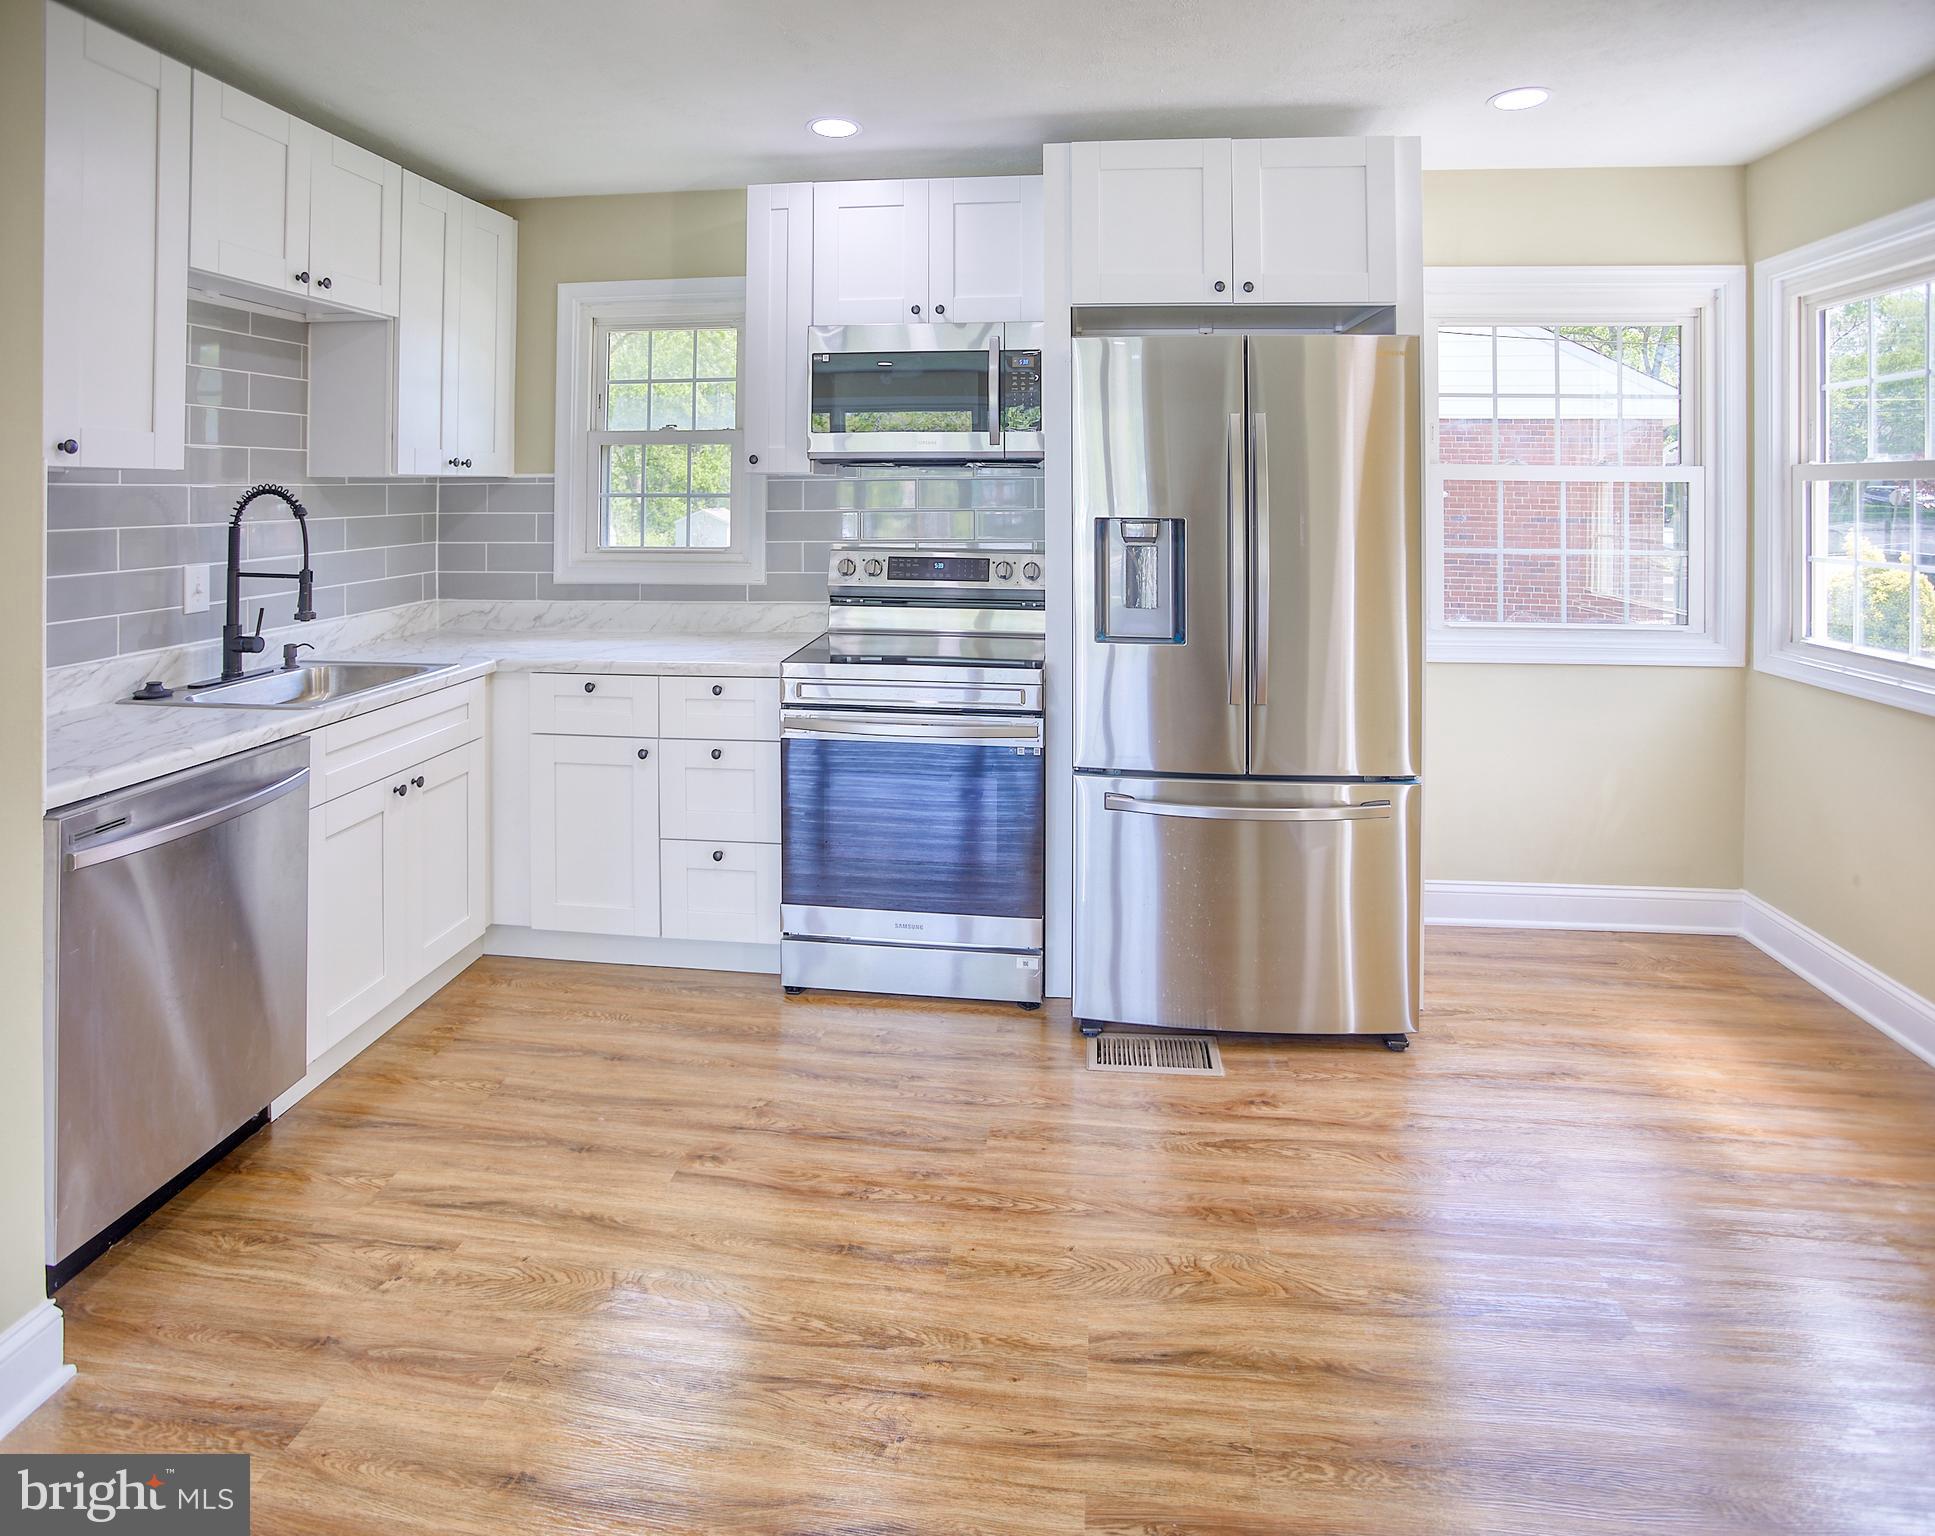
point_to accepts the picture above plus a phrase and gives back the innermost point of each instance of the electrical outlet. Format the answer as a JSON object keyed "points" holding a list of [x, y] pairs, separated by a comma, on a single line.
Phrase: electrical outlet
{"points": [[194, 589]]}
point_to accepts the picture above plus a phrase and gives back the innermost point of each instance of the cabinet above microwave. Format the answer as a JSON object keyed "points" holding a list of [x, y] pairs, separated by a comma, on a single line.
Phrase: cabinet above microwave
{"points": [[924, 393]]}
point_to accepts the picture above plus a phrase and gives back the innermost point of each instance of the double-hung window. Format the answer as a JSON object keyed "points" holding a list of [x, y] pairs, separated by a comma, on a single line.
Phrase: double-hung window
{"points": [[1585, 465], [1847, 442], [649, 488]]}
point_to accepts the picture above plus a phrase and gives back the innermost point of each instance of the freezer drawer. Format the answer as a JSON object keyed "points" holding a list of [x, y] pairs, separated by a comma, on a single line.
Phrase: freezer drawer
{"points": [[1288, 908]]}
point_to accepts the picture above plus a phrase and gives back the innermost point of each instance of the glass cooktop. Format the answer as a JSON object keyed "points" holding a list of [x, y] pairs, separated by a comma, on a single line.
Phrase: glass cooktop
{"points": [[885, 648]]}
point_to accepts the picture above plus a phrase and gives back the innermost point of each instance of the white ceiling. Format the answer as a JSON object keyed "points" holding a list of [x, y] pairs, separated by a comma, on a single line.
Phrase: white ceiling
{"points": [[518, 98]]}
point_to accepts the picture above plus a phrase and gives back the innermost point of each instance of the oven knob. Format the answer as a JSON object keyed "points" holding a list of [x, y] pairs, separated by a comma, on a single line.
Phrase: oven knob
{"points": [[874, 567], [847, 567], [1005, 569], [1031, 572]]}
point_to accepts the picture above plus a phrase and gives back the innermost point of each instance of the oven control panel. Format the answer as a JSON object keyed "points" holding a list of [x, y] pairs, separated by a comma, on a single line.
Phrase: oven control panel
{"points": [[1011, 568]]}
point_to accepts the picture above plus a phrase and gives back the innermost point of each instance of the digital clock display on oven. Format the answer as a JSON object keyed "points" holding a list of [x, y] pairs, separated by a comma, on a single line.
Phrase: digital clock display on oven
{"points": [[936, 568]]}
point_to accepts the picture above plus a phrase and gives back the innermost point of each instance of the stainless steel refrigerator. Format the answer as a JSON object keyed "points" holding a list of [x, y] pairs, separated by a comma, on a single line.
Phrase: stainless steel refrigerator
{"points": [[1247, 683]]}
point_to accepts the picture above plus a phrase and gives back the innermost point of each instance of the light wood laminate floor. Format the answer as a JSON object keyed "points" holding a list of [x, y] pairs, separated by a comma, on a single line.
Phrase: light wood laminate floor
{"points": [[1640, 1236]]}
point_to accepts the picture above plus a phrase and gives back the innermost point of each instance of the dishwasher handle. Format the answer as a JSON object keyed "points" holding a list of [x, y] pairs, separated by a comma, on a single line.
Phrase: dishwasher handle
{"points": [[186, 826]]}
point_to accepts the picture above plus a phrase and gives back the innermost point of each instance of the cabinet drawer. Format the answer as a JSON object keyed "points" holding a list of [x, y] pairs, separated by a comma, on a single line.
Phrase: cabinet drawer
{"points": [[722, 891], [727, 790], [721, 708], [365, 748], [602, 704]]}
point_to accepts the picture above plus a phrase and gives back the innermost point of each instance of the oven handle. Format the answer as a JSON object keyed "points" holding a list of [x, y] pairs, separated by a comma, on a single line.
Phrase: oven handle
{"points": [[796, 725], [1364, 810]]}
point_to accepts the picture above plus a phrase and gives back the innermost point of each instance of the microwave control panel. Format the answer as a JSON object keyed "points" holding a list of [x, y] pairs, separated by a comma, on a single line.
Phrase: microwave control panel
{"points": [[1021, 391]]}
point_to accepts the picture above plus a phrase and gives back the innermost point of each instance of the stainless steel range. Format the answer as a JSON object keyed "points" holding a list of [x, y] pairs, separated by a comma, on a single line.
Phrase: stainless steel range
{"points": [[911, 771]]}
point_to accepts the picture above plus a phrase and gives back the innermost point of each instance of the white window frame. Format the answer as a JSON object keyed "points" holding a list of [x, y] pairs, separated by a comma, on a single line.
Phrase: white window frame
{"points": [[584, 310], [1864, 258], [1716, 299]]}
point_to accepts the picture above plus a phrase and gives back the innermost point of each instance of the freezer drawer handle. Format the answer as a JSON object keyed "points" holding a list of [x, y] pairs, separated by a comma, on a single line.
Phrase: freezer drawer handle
{"points": [[174, 831], [1368, 810]]}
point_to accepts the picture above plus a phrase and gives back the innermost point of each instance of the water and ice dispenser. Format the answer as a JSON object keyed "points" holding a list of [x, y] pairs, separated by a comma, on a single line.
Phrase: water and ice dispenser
{"points": [[1138, 579]]}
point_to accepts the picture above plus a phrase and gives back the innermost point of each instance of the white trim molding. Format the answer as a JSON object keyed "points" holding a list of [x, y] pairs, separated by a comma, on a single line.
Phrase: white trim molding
{"points": [[1902, 245], [679, 301], [1715, 393], [1899, 1012], [31, 1367]]}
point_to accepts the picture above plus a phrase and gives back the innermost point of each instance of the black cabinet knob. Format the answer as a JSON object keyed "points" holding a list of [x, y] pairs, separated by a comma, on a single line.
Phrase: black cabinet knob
{"points": [[399, 789], [717, 689], [418, 781], [302, 277], [1219, 285], [643, 753], [940, 309], [917, 309], [752, 458], [717, 754], [451, 462], [591, 687], [465, 463], [68, 445], [718, 855], [1249, 287], [322, 282]]}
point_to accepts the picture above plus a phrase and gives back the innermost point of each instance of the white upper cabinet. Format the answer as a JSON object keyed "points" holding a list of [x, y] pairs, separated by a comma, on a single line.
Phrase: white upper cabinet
{"points": [[984, 249], [116, 284], [426, 347], [249, 213], [1150, 222], [870, 253], [775, 366], [355, 212], [1314, 221], [281, 205], [486, 350]]}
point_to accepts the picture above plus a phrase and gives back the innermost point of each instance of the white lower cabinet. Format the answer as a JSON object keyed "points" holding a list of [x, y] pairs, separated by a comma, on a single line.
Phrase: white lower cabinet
{"points": [[396, 887], [594, 834], [723, 790], [720, 891]]}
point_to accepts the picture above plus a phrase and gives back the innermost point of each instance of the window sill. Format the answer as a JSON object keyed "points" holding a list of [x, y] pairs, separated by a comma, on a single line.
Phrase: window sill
{"points": [[725, 569], [1546, 648], [1860, 677]]}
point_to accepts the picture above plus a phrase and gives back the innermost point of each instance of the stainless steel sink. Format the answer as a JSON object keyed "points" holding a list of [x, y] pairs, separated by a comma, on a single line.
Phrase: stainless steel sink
{"points": [[303, 687]]}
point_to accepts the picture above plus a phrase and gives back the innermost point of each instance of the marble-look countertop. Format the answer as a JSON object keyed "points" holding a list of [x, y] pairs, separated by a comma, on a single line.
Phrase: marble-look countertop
{"points": [[106, 747]]}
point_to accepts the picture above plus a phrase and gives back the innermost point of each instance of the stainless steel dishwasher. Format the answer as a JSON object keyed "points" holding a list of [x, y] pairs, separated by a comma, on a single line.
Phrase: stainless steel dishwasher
{"points": [[177, 945]]}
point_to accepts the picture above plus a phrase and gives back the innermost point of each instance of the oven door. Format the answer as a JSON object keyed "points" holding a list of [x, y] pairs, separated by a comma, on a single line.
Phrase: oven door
{"points": [[905, 392], [903, 828]]}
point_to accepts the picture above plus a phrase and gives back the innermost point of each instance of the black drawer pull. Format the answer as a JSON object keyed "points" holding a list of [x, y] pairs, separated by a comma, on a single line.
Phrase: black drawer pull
{"points": [[717, 754], [591, 687], [717, 689], [718, 854], [643, 753]]}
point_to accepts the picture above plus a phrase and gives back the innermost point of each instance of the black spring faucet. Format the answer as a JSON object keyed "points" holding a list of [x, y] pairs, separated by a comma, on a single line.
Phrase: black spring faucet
{"points": [[236, 644]]}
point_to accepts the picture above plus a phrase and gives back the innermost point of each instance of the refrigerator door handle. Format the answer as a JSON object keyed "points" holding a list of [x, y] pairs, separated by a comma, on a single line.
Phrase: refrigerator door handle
{"points": [[1260, 503], [1238, 574], [1367, 810]]}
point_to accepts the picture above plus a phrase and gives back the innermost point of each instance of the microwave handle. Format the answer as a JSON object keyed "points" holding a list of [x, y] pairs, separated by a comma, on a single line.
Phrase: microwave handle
{"points": [[994, 388]]}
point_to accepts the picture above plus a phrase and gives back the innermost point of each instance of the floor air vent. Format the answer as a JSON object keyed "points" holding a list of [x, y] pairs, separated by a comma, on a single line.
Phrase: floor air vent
{"points": [[1169, 1055]]}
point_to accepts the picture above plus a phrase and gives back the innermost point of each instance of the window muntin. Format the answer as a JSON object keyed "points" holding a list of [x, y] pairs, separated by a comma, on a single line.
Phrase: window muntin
{"points": [[1866, 504], [1584, 514], [665, 433]]}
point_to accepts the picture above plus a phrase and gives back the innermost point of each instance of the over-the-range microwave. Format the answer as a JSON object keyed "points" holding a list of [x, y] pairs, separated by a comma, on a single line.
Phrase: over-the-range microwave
{"points": [[925, 393]]}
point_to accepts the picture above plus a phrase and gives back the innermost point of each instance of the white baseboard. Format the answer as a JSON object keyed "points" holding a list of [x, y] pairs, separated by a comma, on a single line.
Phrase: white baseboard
{"points": [[1900, 1013], [360, 1039], [1617, 908], [31, 1368], [1905, 1016], [622, 949]]}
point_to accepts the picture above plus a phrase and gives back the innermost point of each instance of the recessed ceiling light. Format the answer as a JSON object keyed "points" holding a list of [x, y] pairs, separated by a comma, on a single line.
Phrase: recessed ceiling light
{"points": [[834, 127], [1519, 97]]}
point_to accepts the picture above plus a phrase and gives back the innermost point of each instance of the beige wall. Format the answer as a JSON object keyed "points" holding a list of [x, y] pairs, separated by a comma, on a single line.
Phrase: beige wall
{"points": [[23, 513], [604, 239], [1839, 818], [1584, 775]]}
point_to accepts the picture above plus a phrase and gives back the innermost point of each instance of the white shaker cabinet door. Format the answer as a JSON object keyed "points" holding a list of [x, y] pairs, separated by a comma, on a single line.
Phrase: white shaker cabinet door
{"points": [[870, 253], [357, 910], [1315, 221], [723, 789], [594, 834], [426, 340], [985, 258], [774, 363], [355, 217], [116, 287], [1150, 222], [249, 204], [444, 862], [725, 892], [486, 325]]}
